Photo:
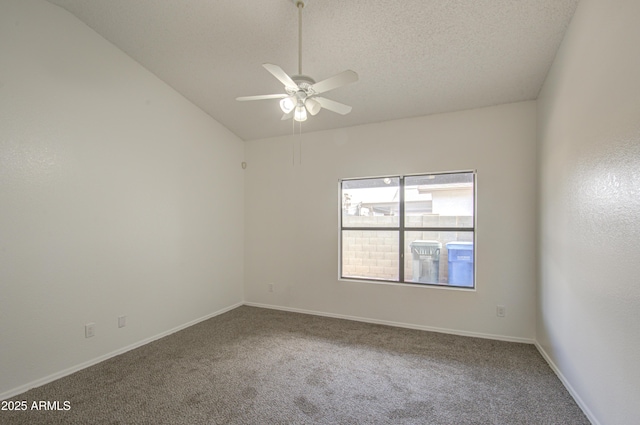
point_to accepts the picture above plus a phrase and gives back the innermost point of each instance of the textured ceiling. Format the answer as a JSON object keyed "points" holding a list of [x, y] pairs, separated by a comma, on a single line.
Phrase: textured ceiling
{"points": [[414, 57]]}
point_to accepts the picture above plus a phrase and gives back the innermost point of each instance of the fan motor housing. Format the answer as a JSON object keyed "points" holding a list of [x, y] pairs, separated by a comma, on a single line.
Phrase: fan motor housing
{"points": [[304, 82], [303, 79]]}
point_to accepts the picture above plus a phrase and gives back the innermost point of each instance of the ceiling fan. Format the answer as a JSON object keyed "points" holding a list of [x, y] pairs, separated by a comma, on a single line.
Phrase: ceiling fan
{"points": [[301, 90]]}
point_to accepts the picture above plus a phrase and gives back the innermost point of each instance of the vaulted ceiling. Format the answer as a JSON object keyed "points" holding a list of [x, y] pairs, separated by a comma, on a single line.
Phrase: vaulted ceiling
{"points": [[413, 57]]}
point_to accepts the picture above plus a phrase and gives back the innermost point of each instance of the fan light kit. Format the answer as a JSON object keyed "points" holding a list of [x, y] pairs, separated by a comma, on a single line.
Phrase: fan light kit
{"points": [[302, 91]]}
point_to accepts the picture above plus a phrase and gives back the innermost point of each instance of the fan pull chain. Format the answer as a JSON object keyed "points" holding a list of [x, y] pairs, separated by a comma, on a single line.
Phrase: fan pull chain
{"points": [[295, 139], [300, 144]]}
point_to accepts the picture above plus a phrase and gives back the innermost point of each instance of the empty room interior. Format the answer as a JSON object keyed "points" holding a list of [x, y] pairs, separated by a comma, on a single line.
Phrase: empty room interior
{"points": [[448, 208]]}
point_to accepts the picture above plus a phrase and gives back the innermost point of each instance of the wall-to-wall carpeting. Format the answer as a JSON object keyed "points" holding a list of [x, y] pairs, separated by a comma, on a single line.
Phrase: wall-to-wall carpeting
{"points": [[259, 366]]}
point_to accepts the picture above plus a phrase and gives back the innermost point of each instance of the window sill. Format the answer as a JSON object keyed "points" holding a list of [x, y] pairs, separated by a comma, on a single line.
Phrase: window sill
{"points": [[409, 285]]}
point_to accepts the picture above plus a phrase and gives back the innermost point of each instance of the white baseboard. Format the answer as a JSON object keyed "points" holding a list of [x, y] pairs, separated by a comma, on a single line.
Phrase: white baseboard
{"points": [[396, 324], [568, 385], [42, 381]]}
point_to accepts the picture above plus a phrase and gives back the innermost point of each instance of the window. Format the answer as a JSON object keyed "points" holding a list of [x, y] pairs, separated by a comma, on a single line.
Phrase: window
{"points": [[415, 229]]}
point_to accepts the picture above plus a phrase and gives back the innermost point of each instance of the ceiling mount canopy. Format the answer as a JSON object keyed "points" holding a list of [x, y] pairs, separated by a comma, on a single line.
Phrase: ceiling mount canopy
{"points": [[301, 97]]}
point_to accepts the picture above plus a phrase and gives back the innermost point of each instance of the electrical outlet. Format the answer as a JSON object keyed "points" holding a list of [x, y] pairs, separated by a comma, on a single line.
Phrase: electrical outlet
{"points": [[271, 287], [89, 330], [501, 311], [122, 321]]}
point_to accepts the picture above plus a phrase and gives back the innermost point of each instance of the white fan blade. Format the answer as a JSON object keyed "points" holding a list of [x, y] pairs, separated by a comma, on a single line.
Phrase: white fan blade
{"points": [[339, 80], [262, 96], [286, 116], [284, 78], [333, 106]]}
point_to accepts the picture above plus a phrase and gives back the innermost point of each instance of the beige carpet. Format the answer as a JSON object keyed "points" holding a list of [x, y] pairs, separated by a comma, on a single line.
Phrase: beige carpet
{"points": [[258, 366]]}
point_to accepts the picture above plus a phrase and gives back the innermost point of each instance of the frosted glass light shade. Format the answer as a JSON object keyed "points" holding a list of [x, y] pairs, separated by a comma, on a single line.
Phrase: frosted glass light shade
{"points": [[287, 104], [301, 113], [313, 106]]}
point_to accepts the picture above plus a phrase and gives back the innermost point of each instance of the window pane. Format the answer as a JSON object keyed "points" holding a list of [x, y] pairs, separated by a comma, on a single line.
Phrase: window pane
{"points": [[439, 258], [369, 254], [371, 202], [439, 200]]}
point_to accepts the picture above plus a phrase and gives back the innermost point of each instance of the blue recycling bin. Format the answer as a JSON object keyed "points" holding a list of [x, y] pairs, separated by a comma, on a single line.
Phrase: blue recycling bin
{"points": [[460, 263]]}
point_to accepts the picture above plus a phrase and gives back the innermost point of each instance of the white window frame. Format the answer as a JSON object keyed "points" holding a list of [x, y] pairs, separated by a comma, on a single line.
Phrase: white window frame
{"points": [[402, 228]]}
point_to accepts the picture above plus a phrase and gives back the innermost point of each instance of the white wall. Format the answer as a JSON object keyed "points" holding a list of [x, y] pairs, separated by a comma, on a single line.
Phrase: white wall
{"points": [[589, 132], [292, 218], [117, 197]]}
